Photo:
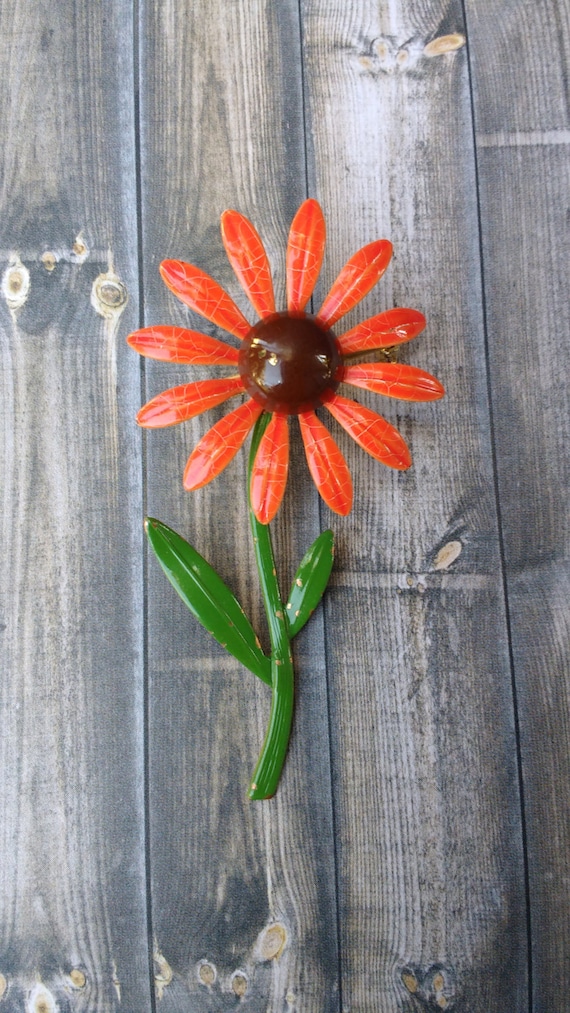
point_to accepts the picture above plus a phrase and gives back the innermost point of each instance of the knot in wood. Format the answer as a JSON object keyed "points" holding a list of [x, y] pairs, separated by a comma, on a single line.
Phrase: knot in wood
{"points": [[434, 988], [49, 260], [109, 295], [41, 1000], [112, 293], [16, 283], [206, 972], [77, 978], [239, 983], [444, 44], [271, 942], [79, 250]]}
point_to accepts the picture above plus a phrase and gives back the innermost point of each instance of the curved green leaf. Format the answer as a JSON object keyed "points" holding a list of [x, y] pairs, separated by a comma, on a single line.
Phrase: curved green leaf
{"points": [[310, 582], [207, 597]]}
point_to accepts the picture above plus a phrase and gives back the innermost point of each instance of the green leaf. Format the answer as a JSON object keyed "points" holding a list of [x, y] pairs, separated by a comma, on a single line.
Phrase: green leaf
{"points": [[310, 582], [207, 597]]}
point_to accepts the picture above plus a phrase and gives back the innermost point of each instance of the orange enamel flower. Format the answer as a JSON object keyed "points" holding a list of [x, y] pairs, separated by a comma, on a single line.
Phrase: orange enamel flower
{"points": [[288, 363]]}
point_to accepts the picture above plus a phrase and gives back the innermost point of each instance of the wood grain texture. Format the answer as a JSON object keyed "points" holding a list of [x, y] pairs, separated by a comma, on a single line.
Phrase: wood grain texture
{"points": [[388, 873], [231, 880], [524, 180], [431, 879], [72, 874]]}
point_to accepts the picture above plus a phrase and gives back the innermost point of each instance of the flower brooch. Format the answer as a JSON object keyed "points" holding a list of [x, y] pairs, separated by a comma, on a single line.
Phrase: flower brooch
{"points": [[289, 363]]}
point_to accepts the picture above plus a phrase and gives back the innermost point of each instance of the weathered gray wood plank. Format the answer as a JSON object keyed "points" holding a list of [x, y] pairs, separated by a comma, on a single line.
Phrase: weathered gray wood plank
{"points": [[222, 127], [431, 879], [520, 77], [72, 877], [424, 761]]}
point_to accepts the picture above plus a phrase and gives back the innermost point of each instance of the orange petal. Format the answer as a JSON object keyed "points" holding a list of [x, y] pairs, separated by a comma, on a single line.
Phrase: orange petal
{"points": [[327, 465], [203, 294], [220, 444], [305, 250], [386, 329], [185, 402], [394, 380], [269, 472], [376, 436], [357, 277], [246, 253], [176, 344]]}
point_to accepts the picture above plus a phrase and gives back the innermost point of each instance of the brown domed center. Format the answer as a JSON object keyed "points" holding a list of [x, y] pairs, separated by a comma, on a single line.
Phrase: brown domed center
{"points": [[288, 361]]}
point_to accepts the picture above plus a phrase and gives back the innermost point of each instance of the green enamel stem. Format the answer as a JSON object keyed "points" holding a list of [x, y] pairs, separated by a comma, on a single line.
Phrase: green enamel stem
{"points": [[268, 770]]}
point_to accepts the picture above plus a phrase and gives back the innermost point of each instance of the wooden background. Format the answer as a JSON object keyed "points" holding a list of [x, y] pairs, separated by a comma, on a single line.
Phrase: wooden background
{"points": [[416, 856]]}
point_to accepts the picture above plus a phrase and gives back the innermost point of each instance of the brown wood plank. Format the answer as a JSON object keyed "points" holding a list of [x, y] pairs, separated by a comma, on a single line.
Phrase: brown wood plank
{"points": [[432, 900], [73, 931], [523, 147], [223, 127]]}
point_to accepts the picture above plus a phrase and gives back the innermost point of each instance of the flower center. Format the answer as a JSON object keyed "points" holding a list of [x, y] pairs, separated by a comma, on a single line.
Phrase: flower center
{"points": [[287, 362]]}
